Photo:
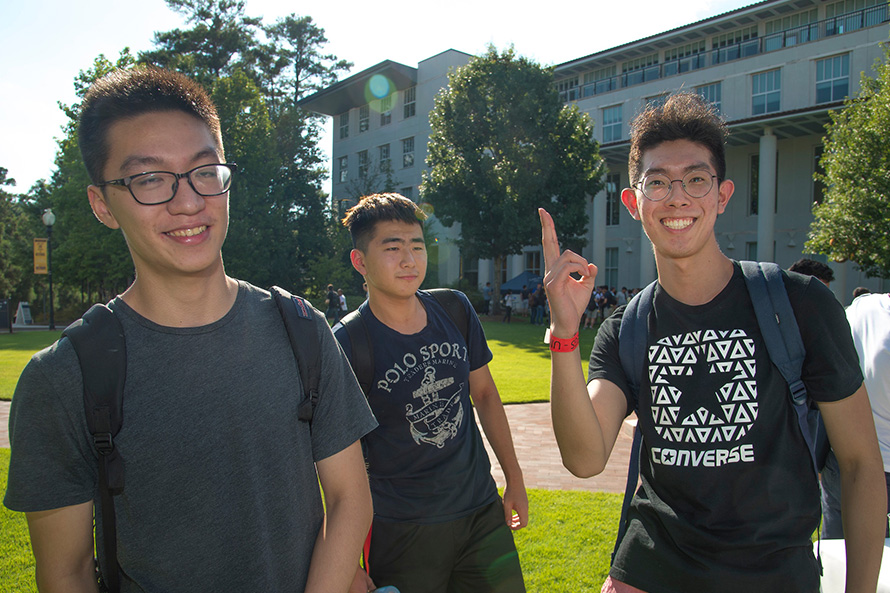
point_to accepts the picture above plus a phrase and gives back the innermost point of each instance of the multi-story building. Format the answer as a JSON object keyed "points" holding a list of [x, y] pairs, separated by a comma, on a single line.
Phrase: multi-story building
{"points": [[773, 69]]}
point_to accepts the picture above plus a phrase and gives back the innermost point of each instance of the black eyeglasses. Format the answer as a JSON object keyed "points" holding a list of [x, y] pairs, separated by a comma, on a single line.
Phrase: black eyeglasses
{"points": [[159, 187], [657, 187]]}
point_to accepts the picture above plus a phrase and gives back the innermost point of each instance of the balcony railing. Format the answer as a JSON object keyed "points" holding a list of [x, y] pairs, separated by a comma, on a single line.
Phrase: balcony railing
{"points": [[839, 25]]}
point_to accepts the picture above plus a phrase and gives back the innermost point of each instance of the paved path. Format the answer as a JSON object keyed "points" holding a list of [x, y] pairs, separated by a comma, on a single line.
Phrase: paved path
{"points": [[535, 447]]}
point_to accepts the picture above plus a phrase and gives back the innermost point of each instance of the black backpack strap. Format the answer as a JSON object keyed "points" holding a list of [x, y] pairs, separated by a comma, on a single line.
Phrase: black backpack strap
{"points": [[633, 334], [300, 321], [455, 308], [361, 349], [98, 341]]}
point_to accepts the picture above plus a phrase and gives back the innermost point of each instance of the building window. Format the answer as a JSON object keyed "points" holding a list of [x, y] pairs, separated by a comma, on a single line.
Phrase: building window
{"points": [[470, 270], [766, 92], [568, 89], [610, 278], [612, 123], [613, 198], [656, 101], [639, 63], [734, 38], [818, 186], [600, 74], [344, 125], [343, 168], [363, 163], [386, 111], [383, 157], [409, 100], [533, 262], [832, 78], [408, 152], [364, 118], [408, 192], [712, 93], [751, 251]]}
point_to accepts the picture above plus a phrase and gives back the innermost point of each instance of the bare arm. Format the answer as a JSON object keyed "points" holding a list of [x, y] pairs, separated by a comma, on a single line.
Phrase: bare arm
{"points": [[586, 419], [347, 519], [62, 540], [494, 422], [851, 431]]}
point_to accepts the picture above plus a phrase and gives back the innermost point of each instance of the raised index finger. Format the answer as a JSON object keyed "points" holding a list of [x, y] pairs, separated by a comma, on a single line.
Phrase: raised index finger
{"points": [[549, 242]]}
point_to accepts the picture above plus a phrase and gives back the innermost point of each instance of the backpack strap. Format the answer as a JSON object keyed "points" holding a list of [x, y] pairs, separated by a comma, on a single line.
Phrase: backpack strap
{"points": [[782, 336], [98, 341], [633, 334], [362, 350], [301, 322]]}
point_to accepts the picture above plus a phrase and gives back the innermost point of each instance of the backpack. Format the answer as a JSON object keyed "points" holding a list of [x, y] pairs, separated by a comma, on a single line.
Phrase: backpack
{"points": [[98, 340], [362, 358], [780, 331]]}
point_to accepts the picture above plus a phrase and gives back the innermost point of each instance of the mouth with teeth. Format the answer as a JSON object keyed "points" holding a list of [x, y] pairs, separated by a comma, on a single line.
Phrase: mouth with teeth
{"points": [[187, 232], [677, 224]]}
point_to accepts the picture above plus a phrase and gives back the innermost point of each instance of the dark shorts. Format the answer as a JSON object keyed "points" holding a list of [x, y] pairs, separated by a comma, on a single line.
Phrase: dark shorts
{"points": [[474, 554]]}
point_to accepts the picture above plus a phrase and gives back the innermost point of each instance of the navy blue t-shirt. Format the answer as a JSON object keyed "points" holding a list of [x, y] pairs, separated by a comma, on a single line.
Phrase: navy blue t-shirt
{"points": [[426, 459]]}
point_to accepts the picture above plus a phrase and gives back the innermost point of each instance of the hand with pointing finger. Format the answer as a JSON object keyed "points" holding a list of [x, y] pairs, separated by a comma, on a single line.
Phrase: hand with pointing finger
{"points": [[568, 297]]}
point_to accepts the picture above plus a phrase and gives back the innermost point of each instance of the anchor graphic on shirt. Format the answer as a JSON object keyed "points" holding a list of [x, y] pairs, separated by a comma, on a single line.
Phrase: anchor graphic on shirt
{"points": [[437, 420]]}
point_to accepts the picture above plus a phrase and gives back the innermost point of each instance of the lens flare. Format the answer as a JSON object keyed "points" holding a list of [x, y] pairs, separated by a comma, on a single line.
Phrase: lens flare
{"points": [[379, 86]]}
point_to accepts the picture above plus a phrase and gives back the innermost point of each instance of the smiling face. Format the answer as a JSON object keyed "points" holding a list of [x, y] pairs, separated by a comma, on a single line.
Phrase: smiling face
{"points": [[183, 236], [679, 226], [394, 261]]}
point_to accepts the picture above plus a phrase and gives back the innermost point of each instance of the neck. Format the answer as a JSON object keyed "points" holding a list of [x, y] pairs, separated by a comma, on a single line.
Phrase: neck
{"points": [[182, 302], [405, 315], [694, 280]]}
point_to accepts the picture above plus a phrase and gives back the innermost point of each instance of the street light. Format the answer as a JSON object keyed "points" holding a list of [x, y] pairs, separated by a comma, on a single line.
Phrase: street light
{"points": [[49, 219]]}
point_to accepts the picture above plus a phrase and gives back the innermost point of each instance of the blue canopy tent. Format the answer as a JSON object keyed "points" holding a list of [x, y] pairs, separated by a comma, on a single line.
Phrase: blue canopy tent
{"points": [[528, 279]]}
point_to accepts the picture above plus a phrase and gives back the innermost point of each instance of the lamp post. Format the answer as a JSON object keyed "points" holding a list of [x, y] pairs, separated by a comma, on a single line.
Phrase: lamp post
{"points": [[49, 219]]}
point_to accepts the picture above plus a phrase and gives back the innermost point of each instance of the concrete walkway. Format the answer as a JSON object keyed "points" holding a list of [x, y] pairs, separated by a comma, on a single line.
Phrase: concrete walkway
{"points": [[535, 447]]}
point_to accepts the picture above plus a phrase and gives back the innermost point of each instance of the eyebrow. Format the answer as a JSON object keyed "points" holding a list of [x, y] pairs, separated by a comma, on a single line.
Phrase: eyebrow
{"points": [[400, 240], [141, 162]]}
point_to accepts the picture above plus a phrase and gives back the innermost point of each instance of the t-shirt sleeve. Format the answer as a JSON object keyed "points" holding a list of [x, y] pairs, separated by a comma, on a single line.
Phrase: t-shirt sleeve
{"points": [[479, 352], [604, 360], [52, 464], [831, 367], [342, 415]]}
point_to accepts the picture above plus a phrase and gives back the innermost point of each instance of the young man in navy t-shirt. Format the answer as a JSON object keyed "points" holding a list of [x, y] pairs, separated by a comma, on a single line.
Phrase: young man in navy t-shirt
{"points": [[439, 524]]}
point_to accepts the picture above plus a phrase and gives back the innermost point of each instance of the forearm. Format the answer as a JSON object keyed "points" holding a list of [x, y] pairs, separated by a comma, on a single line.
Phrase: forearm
{"points": [[83, 581], [864, 508], [338, 546], [575, 422]]}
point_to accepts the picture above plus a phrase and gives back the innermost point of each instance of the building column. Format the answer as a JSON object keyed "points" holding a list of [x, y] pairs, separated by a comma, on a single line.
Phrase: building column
{"points": [[598, 230], [486, 272], [766, 198]]}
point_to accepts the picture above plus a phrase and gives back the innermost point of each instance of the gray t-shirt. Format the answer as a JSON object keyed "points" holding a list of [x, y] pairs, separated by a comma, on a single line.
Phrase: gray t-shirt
{"points": [[221, 491]]}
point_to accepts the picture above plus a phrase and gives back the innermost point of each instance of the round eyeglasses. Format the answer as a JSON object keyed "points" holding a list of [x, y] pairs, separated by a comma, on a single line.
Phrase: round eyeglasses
{"points": [[657, 187], [159, 187]]}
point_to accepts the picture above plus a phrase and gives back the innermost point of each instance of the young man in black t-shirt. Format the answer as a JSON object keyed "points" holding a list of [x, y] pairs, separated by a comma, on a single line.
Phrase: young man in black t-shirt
{"points": [[728, 499], [439, 524]]}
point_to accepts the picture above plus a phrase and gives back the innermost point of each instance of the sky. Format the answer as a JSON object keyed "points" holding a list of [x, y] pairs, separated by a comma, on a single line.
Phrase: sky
{"points": [[45, 43]]}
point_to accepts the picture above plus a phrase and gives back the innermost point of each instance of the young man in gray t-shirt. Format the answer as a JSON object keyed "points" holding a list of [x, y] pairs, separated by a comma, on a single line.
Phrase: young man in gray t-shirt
{"points": [[221, 488]]}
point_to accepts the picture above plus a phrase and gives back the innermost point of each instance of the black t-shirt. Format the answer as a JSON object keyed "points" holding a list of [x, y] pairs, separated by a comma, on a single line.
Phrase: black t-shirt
{"points": [[728, 499], [333, 300]]}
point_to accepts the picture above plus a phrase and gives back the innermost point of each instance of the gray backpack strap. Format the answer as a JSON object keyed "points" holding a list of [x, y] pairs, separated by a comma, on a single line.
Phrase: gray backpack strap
{"points": [[98, 341], [633, 334], [361, 350], [301, 322]]}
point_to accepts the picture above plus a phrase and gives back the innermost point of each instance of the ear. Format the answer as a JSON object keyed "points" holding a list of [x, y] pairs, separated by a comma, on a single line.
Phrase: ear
{"points": [[100, 207], [629, 198], [358, 261], [724, 192]]}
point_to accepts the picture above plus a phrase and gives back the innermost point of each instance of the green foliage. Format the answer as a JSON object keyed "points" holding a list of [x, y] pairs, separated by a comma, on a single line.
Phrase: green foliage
{"points": [[853, 221], [502, 145], [16, 350], [17, 229]]}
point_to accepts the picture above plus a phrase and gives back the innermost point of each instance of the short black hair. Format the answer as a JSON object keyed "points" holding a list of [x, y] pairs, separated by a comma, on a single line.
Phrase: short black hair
{"points": [[364, 216], [125, 94], [811, 267], [683, 116]]}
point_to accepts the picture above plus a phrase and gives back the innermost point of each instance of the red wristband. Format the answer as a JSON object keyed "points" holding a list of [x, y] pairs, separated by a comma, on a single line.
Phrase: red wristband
{"points": [[558, 345]]}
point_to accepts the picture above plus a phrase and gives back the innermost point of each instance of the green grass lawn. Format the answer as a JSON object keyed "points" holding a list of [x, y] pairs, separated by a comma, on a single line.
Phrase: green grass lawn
{"points": [[15, 351]]}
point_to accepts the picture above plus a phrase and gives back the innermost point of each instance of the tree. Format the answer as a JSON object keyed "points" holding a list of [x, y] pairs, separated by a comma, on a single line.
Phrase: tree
{"points": [[853, 221], [17, 229], [503, 144]]}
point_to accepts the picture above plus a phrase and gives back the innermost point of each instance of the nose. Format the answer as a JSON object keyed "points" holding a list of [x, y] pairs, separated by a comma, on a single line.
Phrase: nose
{"points": [[677, 197], [185, 199]]}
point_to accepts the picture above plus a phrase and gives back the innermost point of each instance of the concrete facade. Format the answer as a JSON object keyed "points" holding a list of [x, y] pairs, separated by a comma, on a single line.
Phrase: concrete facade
{"points": [[774, 69]]}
